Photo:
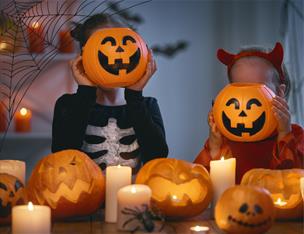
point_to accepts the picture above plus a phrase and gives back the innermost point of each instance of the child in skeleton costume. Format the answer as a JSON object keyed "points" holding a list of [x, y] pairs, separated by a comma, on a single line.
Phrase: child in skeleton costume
{"points": [[113, 126], [284, 148]]}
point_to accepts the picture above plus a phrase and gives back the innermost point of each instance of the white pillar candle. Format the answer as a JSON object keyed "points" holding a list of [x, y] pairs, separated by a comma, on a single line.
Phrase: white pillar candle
{"points": [[116, 178], [222, 174], [135, 197], [302, 186], [31, 219], [13, 167]]}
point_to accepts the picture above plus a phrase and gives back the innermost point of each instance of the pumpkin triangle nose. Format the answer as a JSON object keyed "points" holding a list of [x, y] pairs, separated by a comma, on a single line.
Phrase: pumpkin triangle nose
{"points": [[11, 194], [242, 114], [119, 49]]}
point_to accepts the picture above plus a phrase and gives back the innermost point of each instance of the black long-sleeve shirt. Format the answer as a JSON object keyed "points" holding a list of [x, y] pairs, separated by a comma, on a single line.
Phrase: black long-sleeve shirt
{"points": [[111, 135]]}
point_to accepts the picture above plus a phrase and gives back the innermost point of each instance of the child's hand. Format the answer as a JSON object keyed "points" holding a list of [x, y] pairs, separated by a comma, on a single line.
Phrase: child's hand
{"points": [[215, 137], [150, 70], [281, 112], [78, 72]]}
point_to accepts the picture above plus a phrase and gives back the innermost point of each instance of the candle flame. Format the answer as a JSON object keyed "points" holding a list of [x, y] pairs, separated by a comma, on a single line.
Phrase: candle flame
{"points": [[3, 45], [133, 189], [198, 228], [280, 202], [118, 166], [222, 158], [35, 24], [23, 111], [30, 206], [174, 197]]}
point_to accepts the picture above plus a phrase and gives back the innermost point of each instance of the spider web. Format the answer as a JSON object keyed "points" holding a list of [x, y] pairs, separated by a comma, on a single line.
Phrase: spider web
{"points": [[19, 66]]}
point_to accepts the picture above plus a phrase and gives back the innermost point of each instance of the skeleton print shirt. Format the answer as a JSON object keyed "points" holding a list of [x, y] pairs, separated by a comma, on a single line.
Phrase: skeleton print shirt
{"points": [[110, 135]]}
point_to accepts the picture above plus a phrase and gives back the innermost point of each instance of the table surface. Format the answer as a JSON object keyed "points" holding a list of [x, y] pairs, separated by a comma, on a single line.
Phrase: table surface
{"points": [[85, 226]]}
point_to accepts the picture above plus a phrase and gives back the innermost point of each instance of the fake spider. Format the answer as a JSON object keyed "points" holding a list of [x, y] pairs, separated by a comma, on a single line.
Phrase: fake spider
{"points": [[144, 216]]}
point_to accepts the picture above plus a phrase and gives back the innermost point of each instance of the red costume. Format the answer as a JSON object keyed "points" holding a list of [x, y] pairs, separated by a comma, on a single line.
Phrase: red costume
{"points": [[288, 153]]}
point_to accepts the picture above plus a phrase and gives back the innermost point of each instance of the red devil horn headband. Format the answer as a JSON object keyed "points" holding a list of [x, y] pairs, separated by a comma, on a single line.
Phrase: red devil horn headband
{"points": [[275, 57]]}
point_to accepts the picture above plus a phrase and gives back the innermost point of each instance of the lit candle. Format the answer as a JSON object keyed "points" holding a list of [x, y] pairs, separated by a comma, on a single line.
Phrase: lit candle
{"points": [[66, 44], [35, 36], [13, 167], [31, 219], [3, 118], [116, 178], [132, 199], [23, 120], [222, 174], [199, 230], [280, 202]]}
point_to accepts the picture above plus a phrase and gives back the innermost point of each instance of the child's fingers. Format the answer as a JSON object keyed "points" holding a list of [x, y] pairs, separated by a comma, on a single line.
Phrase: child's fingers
{"points": [[280, 106], [281, 100], [280, 114]]}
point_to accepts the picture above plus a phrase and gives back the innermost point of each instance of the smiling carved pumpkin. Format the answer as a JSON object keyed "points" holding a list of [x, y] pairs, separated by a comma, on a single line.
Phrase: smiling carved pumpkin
{"points": [[283, 185], [69, 182], [12, 192], [179, 188], [242, 112], [115, 57], [244, 209]]}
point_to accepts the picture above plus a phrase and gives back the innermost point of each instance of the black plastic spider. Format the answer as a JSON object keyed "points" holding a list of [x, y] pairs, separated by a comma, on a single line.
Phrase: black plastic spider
{"points": [[145, 217]]}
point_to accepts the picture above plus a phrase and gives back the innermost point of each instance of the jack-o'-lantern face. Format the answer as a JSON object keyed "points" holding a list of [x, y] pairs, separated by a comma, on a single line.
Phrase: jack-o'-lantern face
{"points": [[244, 209], [69, 182], [12, 193], [284, 187], [242, 112], [115, 57], [179, 188]]}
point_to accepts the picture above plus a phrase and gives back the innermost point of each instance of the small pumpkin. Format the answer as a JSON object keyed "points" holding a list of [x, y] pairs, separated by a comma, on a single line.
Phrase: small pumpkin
{"points": [[12, 192], [283, 185], [242, 112], [115, 57], [179, 188], [244, 209], [69, 182]]}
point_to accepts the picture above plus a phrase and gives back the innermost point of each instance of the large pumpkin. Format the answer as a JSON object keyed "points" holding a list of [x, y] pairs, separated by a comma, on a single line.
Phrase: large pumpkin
{"points": [[179, 188], [115, 57], [12, 192], [69, 182], [242, 112], [283, 185], [244, 209]]}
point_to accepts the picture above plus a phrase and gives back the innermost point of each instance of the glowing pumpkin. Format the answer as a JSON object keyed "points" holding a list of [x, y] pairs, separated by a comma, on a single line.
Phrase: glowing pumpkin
{"points": [[242, 112], [179, 188], [69, 182], [284, 186], [115, 57], [244, 209], [12, 192]]}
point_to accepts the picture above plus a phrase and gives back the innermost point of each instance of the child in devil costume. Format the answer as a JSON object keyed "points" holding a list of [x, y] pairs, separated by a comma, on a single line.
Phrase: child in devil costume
{"points": [[283, 149]]}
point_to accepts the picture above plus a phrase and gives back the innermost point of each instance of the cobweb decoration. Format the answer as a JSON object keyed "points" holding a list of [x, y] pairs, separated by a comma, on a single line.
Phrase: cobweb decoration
{"points": [[19, 66]]}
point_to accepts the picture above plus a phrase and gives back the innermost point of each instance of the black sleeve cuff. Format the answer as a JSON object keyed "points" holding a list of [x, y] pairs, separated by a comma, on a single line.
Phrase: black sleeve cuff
{"points": [[87, 91], [133, 95]]}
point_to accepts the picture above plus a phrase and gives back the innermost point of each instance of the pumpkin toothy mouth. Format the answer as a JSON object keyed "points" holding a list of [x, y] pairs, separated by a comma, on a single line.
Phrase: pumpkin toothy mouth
{"points": [[257, 125], [119, 65], [5, 210], [248, 225]]}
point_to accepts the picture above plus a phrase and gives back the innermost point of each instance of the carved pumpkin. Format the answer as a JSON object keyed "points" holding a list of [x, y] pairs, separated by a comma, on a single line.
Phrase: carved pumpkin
{"points": [[12, 192], [115, 57], [244, 209], [283, 185], [242, 112], [69, 182], [179, 188]]}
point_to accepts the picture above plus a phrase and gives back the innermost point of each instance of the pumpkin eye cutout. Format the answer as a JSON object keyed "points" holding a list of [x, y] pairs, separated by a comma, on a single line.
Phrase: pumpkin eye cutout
{"points": [[109, 39], [243, 208], [251, 102], [235, 102], [3, 186], [128, 38], [258, 209], [18, 185]]}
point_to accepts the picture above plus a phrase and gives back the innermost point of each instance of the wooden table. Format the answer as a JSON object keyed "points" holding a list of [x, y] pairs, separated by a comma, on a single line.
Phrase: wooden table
{"points": [[85, 226]]}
